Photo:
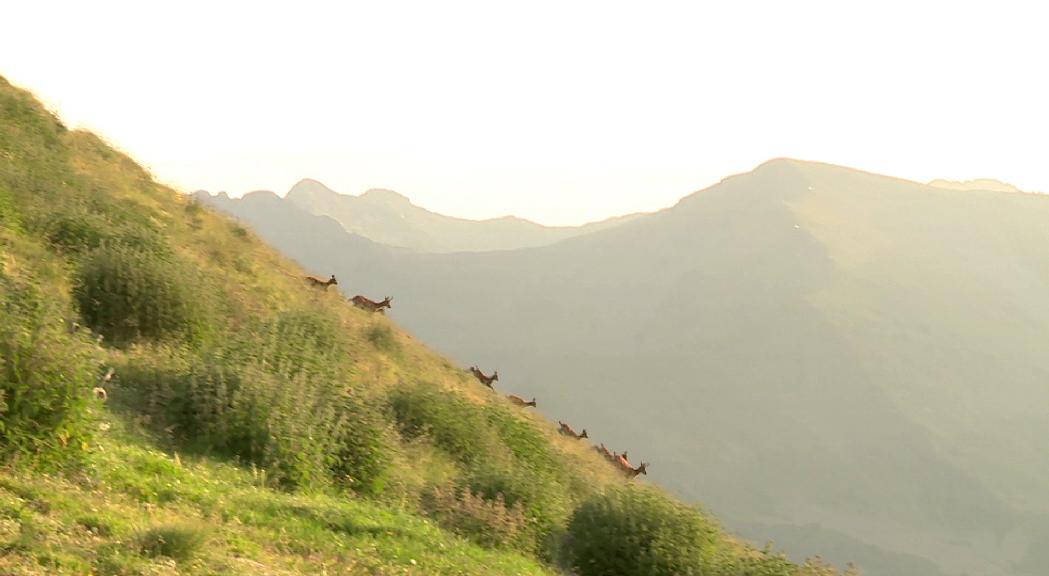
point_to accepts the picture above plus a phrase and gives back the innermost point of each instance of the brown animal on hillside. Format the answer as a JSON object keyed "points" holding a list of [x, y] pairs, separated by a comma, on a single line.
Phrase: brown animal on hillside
{"points": [[318, 283], [100, 392], [620, 459], [633, 472], [517, 400], [371, 305], [486, 380], [624, 466], [566, 430], [610, 456]]}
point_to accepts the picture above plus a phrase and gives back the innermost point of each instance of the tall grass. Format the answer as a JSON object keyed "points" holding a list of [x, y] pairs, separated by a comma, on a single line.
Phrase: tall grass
{"points": [[272, 396], [129, 294], [46, 375], [639, 532], [219, 357], [504, 461]]}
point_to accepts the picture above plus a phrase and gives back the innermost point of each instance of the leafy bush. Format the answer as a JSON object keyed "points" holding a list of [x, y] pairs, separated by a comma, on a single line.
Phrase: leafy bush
{"points": [[272, 396], [381, 336], [46, 375], [489, 522], [634, 531], [505, 459], [128, 293], [180, 542], [8, 215], [77, 229], [456, 426]]}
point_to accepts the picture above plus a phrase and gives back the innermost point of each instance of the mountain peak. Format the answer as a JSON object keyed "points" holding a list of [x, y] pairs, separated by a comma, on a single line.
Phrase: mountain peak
{"points": [[309, 187], [782, 160], [988, 184], [385, 196]]}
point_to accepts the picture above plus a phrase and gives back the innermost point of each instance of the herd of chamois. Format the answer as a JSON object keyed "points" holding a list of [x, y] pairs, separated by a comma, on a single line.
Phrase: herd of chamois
{"points": [[618, 460]]}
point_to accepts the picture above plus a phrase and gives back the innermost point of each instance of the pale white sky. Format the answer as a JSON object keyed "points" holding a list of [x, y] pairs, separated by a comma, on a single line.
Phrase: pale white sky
{"points": [[560, 112]]}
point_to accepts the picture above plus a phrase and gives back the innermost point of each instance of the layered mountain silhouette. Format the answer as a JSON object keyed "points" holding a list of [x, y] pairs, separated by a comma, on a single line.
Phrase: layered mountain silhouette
{"points": [[988, 184], [837, 360], [390, 218]]}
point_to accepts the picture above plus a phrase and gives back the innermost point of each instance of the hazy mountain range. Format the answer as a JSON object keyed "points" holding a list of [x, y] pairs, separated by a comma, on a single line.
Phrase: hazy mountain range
{"points": [[844, 362], [390, 218], [987, 184]]}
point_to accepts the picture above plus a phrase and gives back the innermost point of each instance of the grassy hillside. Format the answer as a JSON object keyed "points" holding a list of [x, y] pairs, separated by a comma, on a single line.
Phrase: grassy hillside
{"points": [[845, 361], [254, 424]]}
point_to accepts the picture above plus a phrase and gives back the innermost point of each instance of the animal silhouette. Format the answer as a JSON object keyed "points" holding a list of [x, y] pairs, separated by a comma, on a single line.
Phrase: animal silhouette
{"points": [[518, 401], [566, 430], [486, 380], [371, 305]]}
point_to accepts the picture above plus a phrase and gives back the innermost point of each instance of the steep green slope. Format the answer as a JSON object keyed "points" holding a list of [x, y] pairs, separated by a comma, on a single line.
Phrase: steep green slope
{"points": [[243, 421], [852, 361]]}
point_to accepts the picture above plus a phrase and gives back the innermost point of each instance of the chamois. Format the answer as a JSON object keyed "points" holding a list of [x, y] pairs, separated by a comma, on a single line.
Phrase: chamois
{"points": [[100, 392], [318, 283], [624, 466], [518, 401], [486, 380], [612, 457], [633, 472], [566, 430], [371, 305]]}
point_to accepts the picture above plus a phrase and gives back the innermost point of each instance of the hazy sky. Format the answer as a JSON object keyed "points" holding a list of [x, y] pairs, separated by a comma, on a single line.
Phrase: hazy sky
{"points": [[556, 111]]}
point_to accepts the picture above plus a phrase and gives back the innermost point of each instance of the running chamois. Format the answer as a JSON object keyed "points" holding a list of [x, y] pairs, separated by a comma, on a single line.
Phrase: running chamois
{"points": [[486, 380], [371, 305], [322, 284], [566, 430], [518, 401]]}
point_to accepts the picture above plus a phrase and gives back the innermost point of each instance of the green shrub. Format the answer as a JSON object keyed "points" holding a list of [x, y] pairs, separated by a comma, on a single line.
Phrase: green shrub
{"points": [[543, 500], [8, 214], [504, 458], [635, 531], [381, 336], [728, 562], [359, 455], [180, 542], [128, 294], [456, 426], [273, 396], [77, 231], [46, 376], [489, 522], [531, 450]]}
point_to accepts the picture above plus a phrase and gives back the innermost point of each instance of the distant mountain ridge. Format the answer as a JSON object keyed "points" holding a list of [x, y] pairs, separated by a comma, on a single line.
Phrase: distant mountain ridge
{"points": [[390, 218], [843, 360], [977, 184]]}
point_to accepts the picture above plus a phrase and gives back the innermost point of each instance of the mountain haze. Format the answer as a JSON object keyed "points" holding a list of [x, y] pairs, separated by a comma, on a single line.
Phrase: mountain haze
{"points": [[390, 218], [988, 184], [177, 398], [833, 358]]}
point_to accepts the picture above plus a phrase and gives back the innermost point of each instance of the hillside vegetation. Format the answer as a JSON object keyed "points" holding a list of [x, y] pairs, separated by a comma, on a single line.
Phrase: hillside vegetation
{"points": [[254, 424], [840, 361]]}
